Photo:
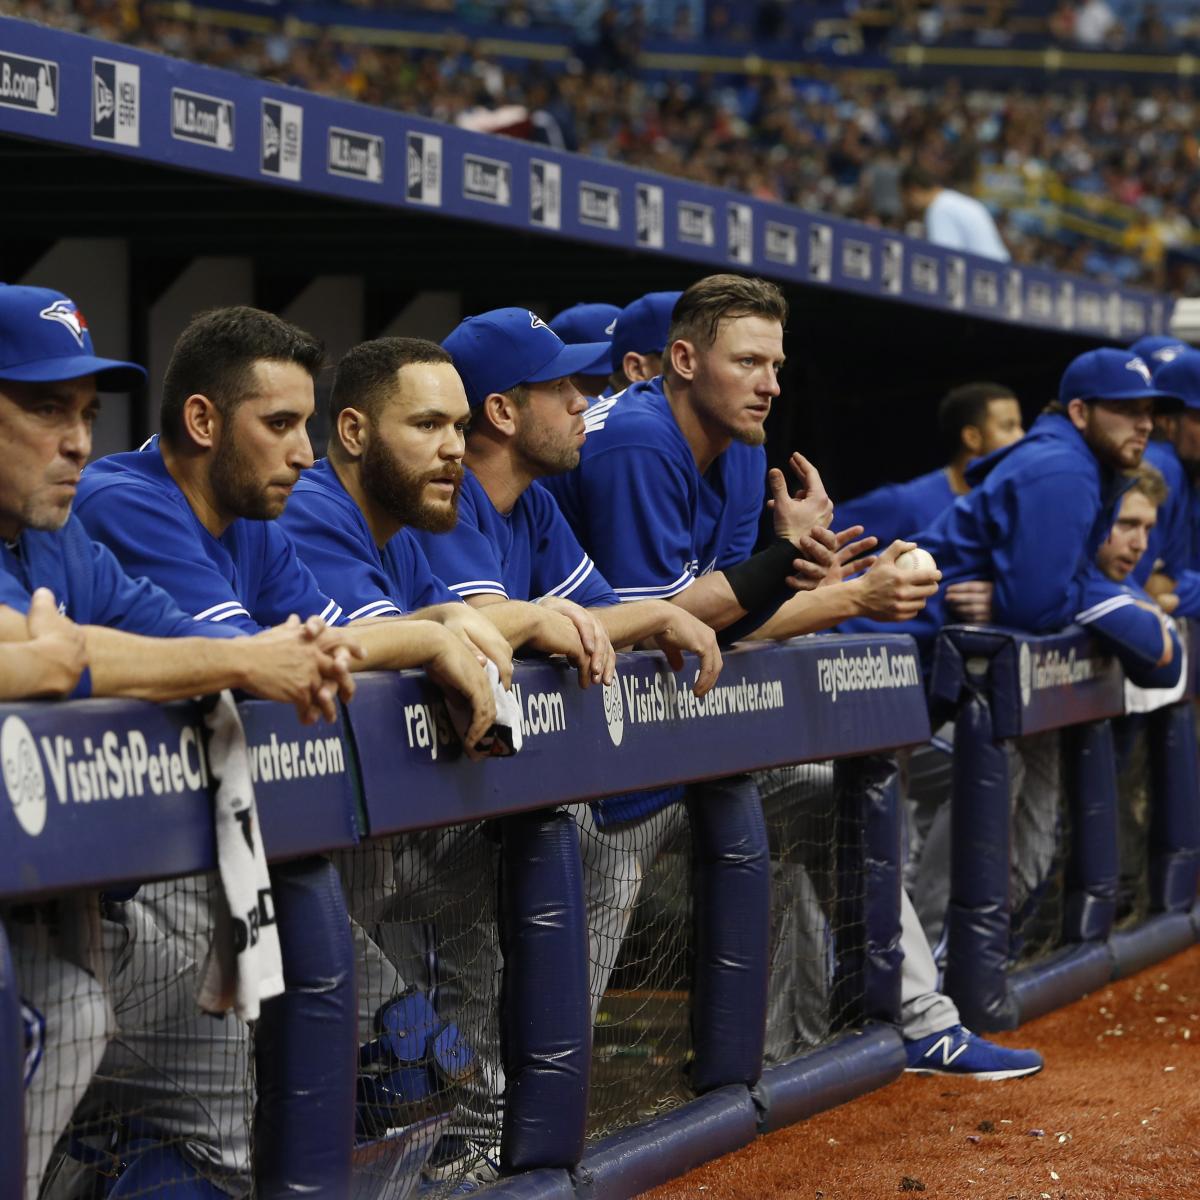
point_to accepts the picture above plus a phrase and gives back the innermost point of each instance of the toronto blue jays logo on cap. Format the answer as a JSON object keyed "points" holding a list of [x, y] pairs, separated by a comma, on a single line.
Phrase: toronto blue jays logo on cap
{"points": [[1136, 364], [67, 315], [536, 322]]}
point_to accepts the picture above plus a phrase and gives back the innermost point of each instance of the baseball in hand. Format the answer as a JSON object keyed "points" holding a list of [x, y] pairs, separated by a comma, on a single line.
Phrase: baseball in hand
{"points": [[916, 560]]}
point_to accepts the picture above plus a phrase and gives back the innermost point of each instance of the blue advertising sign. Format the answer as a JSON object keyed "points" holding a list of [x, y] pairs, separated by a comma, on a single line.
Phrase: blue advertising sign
{"points": [[810, 699], [1033, 683], [103, 791], [100, 96]]}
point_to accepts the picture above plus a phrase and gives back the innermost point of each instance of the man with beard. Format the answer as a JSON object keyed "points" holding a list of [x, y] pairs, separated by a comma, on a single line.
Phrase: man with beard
{"points": [[1039, 510], [194, 512], [399, 417]]}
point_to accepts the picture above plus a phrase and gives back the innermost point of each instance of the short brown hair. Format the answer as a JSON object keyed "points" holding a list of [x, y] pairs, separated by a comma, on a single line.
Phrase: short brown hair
{"points": [[367, 374], [215, 357], [1149, 480], [700, 310]]}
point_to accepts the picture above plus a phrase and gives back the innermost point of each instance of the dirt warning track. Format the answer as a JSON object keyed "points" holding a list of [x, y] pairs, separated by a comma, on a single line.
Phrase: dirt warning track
{"points": [[1115, 1114]]}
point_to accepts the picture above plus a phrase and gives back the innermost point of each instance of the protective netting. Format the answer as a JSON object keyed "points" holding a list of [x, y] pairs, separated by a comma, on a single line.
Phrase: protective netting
{"points": [[1133, 820], [131, 1089], [430, 1089], [637, 882], [1040, 838], [816, 909]]}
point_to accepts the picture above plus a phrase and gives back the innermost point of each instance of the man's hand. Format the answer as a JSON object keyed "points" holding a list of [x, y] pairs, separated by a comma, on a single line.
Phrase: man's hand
{"points": [[1167, 601], [1159, 584], [289, 664], [60, 646], [454, 667], [848, 547], [685, 633], [888, 593], [971, 600], [480, 636], [341, 648], [598, 660], [796, 516]]}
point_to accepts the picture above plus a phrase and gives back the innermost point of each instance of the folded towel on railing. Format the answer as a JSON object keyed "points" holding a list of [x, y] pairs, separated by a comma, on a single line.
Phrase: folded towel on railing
{"points": [[244, 964]]}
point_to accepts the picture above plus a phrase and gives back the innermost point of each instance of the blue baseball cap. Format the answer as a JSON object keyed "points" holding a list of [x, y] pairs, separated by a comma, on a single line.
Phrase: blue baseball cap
{"points": [[1181, 377], [44, 339], [1112, 375], [643, 326], [1157, 350], [588, 323], [507, 346]]}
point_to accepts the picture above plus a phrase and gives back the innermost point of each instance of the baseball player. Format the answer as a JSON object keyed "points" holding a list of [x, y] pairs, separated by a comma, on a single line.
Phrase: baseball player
{"points": [[194, 512], [116, 636], [697, 431], [398, 415], [973, 421], [510, 540]]}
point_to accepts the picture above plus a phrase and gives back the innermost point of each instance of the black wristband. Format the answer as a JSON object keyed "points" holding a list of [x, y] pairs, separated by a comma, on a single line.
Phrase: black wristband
{"points": [[756, 582]]}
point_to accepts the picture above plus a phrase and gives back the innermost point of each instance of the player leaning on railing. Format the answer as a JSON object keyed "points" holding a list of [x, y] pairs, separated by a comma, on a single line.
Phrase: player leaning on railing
{"points": [[114, 636], [697, 432]]}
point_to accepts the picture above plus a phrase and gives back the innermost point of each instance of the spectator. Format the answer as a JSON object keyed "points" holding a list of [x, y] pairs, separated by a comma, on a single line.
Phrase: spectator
{"points": [[952, 219]]}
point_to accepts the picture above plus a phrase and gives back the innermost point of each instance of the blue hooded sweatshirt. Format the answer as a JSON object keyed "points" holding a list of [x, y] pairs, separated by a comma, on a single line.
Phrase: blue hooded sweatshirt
{"points": [[1032, 523]]}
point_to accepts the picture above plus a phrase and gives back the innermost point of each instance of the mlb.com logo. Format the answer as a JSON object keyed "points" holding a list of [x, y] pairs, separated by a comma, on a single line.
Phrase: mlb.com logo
{"points": [[205, 120], [116, 88], [282, 139], [30, 84], [355, 155]]}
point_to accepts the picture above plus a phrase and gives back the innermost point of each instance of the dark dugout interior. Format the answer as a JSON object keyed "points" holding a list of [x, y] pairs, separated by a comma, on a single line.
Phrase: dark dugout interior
{"points": [[862, 379]]}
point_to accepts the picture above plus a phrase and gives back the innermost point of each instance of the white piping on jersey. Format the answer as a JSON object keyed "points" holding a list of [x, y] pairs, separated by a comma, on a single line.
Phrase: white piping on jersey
{"points": [[331, 618], [659, 591], [572, 581], [1102, 609], [146, 442], [377, 608], [595, 416], [210, 614], [478, 587]]}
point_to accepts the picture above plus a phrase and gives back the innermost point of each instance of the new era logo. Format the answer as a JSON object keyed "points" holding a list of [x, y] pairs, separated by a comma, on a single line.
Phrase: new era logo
{"points": [[545, 194], [282, 139], [424, 179], [116, 88], [650, 212], [29, 83]]}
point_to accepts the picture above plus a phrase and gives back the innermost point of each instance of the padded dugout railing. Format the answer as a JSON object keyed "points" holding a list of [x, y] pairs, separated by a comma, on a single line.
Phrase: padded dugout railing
{"points": [[104, 792], [1002, 685]]}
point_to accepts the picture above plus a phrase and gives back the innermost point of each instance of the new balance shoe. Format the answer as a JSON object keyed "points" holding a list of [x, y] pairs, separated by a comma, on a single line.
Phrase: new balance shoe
{"points": [[958, 1051]]}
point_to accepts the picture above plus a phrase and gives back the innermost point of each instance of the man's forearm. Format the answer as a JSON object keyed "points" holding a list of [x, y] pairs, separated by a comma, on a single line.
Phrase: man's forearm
{"points": [[518, 621], [812, 612], [711, 600], [390, 644], [628, 624], [143, 668]]}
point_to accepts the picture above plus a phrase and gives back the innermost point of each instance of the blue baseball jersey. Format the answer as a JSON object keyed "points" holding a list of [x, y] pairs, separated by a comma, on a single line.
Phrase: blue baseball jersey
{"points": [[333, 540], [898, 510], [1171, 547], [520, 555], [90, 587], [637, 501], [249, 578]]}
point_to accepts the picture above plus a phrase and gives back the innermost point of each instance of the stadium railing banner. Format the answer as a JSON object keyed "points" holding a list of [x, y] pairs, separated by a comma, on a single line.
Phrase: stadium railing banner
{"points": [[1010, 692], [106, 98], [105, 793]]}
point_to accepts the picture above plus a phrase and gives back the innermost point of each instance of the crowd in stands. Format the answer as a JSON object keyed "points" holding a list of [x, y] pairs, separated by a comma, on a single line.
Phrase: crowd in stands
{"points": [[1099, 181]]}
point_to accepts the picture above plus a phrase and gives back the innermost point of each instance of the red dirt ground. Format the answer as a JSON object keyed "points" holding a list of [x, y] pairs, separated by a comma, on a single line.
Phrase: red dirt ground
{"points": [[1116, 1113]]}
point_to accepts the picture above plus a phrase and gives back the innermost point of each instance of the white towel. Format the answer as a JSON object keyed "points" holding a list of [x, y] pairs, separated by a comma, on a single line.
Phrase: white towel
{"points": [[244, 965], [504, 737]]}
